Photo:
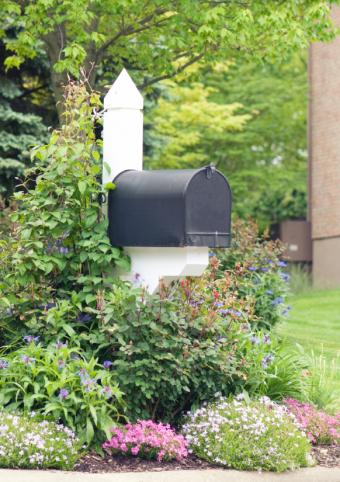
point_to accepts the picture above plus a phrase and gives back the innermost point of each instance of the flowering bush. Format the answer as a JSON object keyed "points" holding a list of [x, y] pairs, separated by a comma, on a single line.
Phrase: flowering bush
{"points": [[319, 427], [29, 443], [148, 439], [248, 435], [63, 382], [259, 273]]}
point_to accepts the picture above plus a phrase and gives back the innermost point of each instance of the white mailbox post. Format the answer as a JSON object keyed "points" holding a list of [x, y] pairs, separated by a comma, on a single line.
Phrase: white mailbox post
{"points": [[122, 150]]}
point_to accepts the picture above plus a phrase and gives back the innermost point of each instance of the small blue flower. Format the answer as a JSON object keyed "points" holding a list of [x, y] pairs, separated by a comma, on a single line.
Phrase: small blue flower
{"points": [[269, 292], [266, 339], [31, 339], [255, 340], [286, 310], [252, 268], [63, 250], [106, 390], [3, 364], [282, 264], [27, 359], [267, 360], [88, 383], [277, 301], [265, 270], [83, 317], [284, 276], [63, 393], [60, 345], [107, 364]]}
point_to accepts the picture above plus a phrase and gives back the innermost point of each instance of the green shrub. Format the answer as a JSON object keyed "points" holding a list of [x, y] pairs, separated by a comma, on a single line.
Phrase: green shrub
{"points": [[165, 359], [61, 382], [26, 442], [58, 248], [260, 272], [247, 435], [272, 368]]}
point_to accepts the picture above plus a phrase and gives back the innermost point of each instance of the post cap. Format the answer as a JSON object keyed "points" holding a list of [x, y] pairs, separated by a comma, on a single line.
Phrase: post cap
{"points": [[123, 94]]}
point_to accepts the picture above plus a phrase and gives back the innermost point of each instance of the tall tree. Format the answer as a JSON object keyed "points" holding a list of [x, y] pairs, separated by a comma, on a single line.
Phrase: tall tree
{"points": [[156, 38]]}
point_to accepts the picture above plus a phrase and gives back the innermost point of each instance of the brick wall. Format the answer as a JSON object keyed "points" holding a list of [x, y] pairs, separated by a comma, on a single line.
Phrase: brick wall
{"points": [[324, 137], [324, 159]]}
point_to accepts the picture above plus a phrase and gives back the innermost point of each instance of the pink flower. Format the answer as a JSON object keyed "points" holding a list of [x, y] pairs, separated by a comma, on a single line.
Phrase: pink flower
{"points": [[135, 450], [149, 438]]}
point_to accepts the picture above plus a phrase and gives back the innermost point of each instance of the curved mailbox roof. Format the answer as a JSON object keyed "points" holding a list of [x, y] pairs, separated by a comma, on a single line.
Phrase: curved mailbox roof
{"points": [[190, 207]]}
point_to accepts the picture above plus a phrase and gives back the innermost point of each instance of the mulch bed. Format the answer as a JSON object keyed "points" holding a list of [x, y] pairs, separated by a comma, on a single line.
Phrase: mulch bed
{"points": [[119, 463], [326, 456]]}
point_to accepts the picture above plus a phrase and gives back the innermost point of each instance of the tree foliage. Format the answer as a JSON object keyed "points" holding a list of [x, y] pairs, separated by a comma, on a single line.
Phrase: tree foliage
{"points": [[159, 38], [22, 95], [250, 120]]}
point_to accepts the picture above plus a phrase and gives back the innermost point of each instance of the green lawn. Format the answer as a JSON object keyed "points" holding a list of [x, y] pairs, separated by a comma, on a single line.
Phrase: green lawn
{"points": [[314, 323]]}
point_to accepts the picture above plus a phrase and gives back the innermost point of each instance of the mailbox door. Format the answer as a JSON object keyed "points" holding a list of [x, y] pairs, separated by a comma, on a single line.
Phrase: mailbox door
{"points": [[208, 210]]}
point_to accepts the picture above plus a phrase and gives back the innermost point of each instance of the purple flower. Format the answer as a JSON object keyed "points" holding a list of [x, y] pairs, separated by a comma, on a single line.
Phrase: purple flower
{"points": [[265, 270], [267, 360], [269, 292], [266, 339], [106, 390], [252, 268], [107, 364], [3, 364], [31, 339], [83, 317], [284, 276], [60, 344], [63, 393], [27, 359], [63, 250], [282, 264], [88, 383], [255, 340]]}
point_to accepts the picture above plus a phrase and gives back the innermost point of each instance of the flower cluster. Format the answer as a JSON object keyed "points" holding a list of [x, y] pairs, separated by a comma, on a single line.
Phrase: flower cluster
{"points": [[319, 427], [247, 435], [148, 439], [29, 443]]}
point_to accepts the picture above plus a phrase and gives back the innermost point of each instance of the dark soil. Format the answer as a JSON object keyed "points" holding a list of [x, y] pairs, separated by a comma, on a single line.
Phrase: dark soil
{"points": [[120, 463], [326, 456]]}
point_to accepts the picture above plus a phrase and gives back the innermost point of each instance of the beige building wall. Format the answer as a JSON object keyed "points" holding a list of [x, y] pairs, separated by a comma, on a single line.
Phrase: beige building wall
{"points": [[324, 155]]}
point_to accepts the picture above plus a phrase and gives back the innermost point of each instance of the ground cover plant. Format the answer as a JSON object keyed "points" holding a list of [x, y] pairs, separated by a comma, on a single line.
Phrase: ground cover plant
{"points": [[247, 435], [60, 381], [147, 439], [320, 427], [28, 442]]}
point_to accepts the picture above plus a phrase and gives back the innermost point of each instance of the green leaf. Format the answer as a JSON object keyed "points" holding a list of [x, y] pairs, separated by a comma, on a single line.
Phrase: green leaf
{"points": [[82, 186]]}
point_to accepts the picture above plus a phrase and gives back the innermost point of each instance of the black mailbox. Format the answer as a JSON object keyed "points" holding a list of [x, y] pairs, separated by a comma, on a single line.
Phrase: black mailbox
{"points": [[190, 207]]}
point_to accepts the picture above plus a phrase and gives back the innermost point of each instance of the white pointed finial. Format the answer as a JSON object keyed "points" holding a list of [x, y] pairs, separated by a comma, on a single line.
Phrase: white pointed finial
{"points": [[123, 94]]}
